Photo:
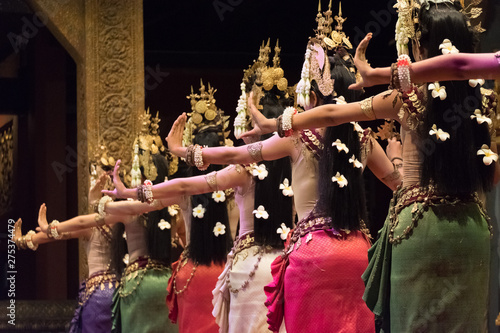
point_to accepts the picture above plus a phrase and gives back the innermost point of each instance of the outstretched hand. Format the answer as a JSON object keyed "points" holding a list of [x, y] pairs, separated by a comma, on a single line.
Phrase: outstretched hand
{"points": [[42, 219], [174, 138], [95, 191], [261, 125], [120, 189], [362, 65], [18, 233]]}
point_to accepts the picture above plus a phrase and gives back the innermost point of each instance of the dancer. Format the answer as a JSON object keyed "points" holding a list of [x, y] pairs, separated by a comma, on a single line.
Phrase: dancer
{"points": [[139, 301], [436, 222], [196, 272], [93, 313], [303, 302]]}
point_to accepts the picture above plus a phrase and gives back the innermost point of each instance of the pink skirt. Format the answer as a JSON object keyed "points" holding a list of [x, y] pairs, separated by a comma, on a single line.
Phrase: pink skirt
{"points": [[318, 286]]}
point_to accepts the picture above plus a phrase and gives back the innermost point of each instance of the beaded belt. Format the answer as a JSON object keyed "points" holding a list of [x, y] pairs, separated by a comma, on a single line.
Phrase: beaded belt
{"points": [[308, 225], [138, 268], [428, 196], [98, 279]]}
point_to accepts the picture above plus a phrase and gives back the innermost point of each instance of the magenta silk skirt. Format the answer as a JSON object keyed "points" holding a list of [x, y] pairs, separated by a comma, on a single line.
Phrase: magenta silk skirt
{"points": [[318, 287]]}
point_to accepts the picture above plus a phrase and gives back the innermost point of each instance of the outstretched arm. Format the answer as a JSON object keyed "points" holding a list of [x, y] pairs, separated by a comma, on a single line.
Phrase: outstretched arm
{"points": [[336, 114], [449, 67], [170, 192], [272, 148], [42, 238], [78, 223]]}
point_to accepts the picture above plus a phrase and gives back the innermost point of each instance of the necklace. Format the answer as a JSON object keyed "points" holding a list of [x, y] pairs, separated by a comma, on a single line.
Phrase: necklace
{"points": [[177, 269]]}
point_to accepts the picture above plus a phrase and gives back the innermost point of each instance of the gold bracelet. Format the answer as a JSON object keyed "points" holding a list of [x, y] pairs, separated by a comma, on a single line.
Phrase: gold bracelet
{"points": [[211, 179], [367, 108], [29, 241], [255, 151]]}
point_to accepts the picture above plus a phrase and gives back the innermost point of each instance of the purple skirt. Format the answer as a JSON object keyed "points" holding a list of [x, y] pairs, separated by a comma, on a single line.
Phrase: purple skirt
{"points": [[93, 314]]}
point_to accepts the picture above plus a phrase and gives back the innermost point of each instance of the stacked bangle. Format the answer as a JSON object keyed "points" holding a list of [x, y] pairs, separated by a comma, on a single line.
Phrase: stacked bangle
{"points": [[148, 191], [198, 158], [145, 192], [52, 230], [21, 243], [286, 122], [29, 240], [102, 206], [194, 157], [189, 155], [404, 62]]}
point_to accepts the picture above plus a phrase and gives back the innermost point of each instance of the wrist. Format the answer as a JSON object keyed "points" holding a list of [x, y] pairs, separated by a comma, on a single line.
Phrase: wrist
{"points": [[178, 151]]}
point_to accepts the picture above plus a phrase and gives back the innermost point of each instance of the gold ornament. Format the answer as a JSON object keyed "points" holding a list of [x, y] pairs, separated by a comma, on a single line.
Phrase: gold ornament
{"points": [[210, 115], [200, 107]]}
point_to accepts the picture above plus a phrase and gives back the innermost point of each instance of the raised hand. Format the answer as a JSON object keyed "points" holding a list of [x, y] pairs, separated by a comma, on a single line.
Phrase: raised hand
{"points": [[42, 219], [174, 138], [261, 125], [18, 233], [394, 148], [120, 190], [95, 191], [362, 65]]}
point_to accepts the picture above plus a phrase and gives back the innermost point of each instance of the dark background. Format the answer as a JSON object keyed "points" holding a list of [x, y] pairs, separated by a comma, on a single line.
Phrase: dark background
{"points": [[184, 41]]}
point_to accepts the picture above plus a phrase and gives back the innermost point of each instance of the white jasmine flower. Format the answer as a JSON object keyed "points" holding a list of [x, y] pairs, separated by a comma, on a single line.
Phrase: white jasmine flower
{"points": [[340, 146], [439, 133], [126, 259], [261, 213], [219, 196], [124, 235], [447, 47], [283, 231], [219, 229], [357, 127], [437, 90], [172, 210], [340, 180], [489, 155], [474, 82], [260, 171], [199, 211], [355, 162], [287, 189], [164, 225], [480, 118], [340, 100]]}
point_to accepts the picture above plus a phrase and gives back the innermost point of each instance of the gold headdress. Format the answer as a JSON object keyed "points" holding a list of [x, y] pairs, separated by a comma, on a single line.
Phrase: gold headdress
{"points": [[147, 144], [258, 77], [316, 65], [408, 16], [205, 116]]}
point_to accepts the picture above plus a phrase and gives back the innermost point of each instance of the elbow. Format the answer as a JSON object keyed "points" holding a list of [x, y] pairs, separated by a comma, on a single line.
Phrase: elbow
{"points": [[183, 189], [230, 156], [329, 119], [458, 66]]}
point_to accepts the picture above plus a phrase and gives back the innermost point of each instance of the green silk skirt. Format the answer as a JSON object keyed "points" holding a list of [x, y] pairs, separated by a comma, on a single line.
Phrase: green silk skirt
{"points": [[139, 302], [436, 280]]}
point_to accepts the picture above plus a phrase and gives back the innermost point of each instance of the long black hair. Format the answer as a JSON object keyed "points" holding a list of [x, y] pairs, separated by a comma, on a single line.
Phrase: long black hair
{"points": [[204, 247], [346, 206], [267, 191], [159, 242], [453, 165]]}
